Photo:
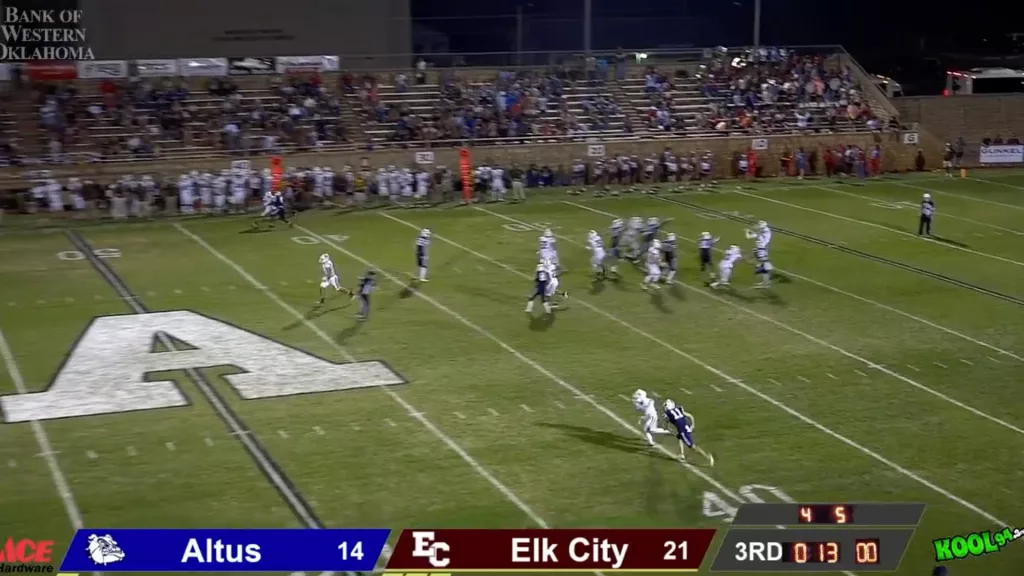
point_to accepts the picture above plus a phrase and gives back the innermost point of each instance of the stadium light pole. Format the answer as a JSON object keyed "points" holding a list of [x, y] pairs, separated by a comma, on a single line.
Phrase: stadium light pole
{"points": [[757, 23]]}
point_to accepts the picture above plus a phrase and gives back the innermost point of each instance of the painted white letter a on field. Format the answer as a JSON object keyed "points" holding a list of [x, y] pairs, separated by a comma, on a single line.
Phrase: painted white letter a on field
{"points": [[106, 372]]}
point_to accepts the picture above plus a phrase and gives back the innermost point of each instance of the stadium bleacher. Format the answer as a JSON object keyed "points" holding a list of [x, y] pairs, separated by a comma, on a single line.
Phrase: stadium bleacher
{"points": [[724, 93]]}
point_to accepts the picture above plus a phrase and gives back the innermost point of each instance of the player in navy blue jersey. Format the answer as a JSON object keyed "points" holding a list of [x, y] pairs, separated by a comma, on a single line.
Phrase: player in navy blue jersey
{"points": [[684, 425], [422, 247], [366, 285], [540, 290]]}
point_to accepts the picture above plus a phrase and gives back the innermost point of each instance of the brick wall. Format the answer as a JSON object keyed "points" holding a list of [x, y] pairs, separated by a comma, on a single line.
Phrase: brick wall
{"points": [[972, 117]]}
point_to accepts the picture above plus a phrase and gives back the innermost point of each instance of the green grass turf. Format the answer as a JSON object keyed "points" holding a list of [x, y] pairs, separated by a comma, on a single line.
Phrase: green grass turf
{"points": [[851, 381]]}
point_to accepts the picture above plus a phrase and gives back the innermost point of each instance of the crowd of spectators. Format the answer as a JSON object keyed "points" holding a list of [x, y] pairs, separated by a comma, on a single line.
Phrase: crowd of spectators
{"points": [[515, 104], [769, 90], [138, 117]]}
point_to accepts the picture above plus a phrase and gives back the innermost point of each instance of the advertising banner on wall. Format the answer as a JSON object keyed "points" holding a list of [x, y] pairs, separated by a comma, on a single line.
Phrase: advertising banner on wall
{"points": [[1002, 154], [203, 66]]}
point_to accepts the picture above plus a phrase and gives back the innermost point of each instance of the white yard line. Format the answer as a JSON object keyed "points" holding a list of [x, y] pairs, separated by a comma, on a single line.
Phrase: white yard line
{"points": [[986, 201], [879, 226], [844, 352], [430, 426], [43, 441], [724, 376], [881, 305]]}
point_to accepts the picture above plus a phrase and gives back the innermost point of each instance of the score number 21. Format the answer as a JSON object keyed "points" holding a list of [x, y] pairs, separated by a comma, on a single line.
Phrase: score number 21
{"points": [[356, 552]]}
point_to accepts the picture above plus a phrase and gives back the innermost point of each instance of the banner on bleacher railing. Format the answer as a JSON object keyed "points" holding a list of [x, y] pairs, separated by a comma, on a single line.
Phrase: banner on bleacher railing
{"points": [[292, 64], [759, 144], [241, 165], [156, 68], [1002, 154], [595, 150], [251, 66], [910, 138], [49, 70], [424, 157], [93, 69], [203, 66], [834, 104]]}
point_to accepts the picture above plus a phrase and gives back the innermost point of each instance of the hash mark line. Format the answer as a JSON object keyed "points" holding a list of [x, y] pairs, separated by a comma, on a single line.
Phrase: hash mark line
{"points": [[968, 362], [914, 368], [456, 270], [98, 297], [993, 359], [319, 431], [724, 376], [41, 302], [493, 412], [716, 388], [356, 427], [848, 294], [12, 303], [860, 373], [282, 434], [177, 291], [526, 408], [460, 415], [428, 424], [91, 455], [12, 463], [204, 288], [879, 226], [831, 375], [940, 364], [965, 197], [803, 379], [774, 381], [170, 446], [391, 422], [43, 440], [131, 451], [151, 293], [208, 441], [577, 393], [685, 391], [624, 397], [559, 405], [69, 300]]}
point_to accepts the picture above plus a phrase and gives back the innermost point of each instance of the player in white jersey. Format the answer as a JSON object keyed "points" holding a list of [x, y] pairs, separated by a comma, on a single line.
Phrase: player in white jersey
{"points": [[329, 278], [497, 184], [597, 254], [653, 266], [553, 283], [547, 247], [422, 184], [649, 416], [725, 266], [763, 264], [763, 234], [632, 237]]}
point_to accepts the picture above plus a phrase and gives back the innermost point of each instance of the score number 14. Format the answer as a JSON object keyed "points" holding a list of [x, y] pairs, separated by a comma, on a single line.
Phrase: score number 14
{"points": [[356, 553]]}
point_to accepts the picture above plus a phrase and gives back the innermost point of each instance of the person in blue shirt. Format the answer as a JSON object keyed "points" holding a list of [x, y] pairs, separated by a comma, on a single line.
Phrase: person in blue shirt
{"points": [[366, 286]]}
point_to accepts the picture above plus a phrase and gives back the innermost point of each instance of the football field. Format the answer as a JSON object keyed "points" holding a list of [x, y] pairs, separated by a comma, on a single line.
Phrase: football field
{"points": [[178, 374]]}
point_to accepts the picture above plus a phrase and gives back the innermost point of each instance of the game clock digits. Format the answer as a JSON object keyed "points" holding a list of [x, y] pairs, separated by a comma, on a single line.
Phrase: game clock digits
{"points": [[865, 552]]}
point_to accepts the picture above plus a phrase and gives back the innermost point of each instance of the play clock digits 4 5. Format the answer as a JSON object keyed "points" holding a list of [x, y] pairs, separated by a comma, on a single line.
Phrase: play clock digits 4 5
{"points": [[812, 550], [829, 514]]}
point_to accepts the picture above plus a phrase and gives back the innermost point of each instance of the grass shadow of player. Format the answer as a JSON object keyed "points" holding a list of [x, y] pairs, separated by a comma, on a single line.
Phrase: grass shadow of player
{"points": [[315, 312], [658, 301], [949, 241], [731, 292], [352, 330], [541, 323], [252, 230], [603, 439], [780, 278], [770, 296], [597, 286], [677, 292]]}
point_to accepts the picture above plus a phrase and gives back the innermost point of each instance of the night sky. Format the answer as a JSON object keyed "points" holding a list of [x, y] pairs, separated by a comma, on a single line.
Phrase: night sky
{"points": [[910, 40]]}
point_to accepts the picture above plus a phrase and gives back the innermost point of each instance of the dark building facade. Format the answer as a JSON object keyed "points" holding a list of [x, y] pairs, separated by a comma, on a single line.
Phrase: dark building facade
{"points": [[361, 31]]}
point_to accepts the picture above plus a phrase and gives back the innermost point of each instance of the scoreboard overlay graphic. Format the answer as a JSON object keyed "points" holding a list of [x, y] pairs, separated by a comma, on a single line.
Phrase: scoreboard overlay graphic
{"points": [[822, 538]]}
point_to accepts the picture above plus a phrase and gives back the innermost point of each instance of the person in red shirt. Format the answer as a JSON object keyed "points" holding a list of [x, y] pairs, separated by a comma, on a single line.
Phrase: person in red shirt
{"points": [[875, 160], [751, 164]]}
